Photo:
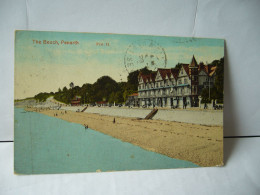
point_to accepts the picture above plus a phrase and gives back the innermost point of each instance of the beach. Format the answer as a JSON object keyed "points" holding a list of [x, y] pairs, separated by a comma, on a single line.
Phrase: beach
{"points": [[198, 143]]}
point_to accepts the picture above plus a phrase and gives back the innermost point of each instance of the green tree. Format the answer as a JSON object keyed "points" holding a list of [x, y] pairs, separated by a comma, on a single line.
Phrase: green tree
{"points": [[220, 75], [103, 87], [132, 78], [205, 96], [64, 89], [178, 66]]}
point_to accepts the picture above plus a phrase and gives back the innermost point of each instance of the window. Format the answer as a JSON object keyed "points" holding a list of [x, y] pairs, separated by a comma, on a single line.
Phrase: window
{"points": [[179, 82], [185, 81]]}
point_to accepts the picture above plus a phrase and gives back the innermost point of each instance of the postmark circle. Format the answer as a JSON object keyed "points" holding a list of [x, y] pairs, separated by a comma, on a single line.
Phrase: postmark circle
{"points": [[145, 53]]}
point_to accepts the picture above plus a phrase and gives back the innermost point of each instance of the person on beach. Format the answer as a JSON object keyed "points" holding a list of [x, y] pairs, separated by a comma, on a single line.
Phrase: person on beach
{"points": [[114, 121]]}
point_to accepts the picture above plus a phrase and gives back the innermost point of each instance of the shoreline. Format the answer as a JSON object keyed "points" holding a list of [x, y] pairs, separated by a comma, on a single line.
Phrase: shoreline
{"points": [[200, 144]]}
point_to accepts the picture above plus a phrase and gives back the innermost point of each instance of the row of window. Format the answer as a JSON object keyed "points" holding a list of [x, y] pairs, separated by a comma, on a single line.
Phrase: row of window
{"points": [[162, 84], [179, 91]]}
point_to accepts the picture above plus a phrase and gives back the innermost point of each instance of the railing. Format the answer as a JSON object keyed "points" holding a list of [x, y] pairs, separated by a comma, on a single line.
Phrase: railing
{"points": [[165, 95], [164, 87]]}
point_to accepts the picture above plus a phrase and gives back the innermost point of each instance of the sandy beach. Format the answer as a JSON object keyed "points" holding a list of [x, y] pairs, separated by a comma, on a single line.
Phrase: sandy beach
{"points": [[200, 144]]}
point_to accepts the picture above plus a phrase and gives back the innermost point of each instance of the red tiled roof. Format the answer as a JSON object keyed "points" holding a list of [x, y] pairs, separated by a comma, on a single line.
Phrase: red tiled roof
{"points": [[134, 94], [175, 73], [164, 73], [193, 62], [102, 102], [202, 67], [148, 78], [186, 68], [210, 70], [75, 101]]}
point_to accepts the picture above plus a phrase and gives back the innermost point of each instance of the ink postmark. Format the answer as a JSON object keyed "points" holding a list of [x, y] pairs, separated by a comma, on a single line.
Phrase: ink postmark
{"points": [[144, 53]]}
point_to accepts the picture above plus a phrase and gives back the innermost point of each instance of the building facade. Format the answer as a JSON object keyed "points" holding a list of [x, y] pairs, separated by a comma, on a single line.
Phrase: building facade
{"points": [[175, 88], [132, 100]]}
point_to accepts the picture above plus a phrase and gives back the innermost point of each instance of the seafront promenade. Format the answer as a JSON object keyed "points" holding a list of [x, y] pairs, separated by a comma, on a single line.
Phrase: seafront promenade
{"points": [[191, 115], [194, 116]]}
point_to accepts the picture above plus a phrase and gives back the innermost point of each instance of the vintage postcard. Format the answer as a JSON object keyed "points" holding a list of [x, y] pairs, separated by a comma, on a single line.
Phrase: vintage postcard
{"points": [[91, 102]]}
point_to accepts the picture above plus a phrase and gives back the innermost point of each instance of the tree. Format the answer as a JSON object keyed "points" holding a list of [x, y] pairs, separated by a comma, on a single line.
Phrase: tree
{"points": [[178, 66], [132, 78], [205, 96], [71, 85], [64, 89], [41, 97], [220, 75], [217, 91], [103, 87]]}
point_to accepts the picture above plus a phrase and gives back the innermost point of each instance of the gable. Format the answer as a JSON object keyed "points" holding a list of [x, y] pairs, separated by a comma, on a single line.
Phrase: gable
{"points": [[203, 73], [182, 72], [158, 76], [141, 79]]}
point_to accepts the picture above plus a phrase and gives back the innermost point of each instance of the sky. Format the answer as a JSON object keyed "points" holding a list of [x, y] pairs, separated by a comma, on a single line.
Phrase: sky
{"points": [[44, 67]]}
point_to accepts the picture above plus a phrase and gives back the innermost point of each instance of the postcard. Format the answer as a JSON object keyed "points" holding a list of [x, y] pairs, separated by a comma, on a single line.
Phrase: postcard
{"points": [[93, 102]]}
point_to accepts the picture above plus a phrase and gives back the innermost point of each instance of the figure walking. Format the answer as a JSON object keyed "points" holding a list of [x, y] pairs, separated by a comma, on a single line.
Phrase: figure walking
{"points": [[205, 105], [114, 121]]}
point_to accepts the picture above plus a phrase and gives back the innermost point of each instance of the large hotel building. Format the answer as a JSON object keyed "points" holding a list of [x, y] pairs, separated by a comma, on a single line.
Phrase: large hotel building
{"points": [[175, 88]]}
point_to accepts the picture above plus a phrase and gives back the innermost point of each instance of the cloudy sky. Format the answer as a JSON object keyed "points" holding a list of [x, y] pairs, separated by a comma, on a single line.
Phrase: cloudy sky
{"points": [[47, 67]]}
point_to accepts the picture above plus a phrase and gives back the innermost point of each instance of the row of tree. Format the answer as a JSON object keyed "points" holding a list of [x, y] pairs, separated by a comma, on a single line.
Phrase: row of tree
{"points": [[107, 89], [104, 89], [217, 91]]}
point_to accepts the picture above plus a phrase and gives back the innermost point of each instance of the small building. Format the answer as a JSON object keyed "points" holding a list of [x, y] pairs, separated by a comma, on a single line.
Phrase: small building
{"points": [[75, 101], [132, 100], [102, 103]]}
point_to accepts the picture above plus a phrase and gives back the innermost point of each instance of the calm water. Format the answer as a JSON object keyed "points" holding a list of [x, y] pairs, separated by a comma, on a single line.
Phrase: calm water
{"points": [[46, 144]]}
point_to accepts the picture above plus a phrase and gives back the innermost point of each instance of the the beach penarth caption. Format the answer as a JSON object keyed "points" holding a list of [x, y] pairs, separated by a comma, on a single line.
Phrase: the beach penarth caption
{"points": [[87, 102]]}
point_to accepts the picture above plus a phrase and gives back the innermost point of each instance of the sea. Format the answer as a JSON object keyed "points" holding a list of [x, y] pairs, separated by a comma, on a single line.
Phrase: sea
{"points": [[46, 145]]}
